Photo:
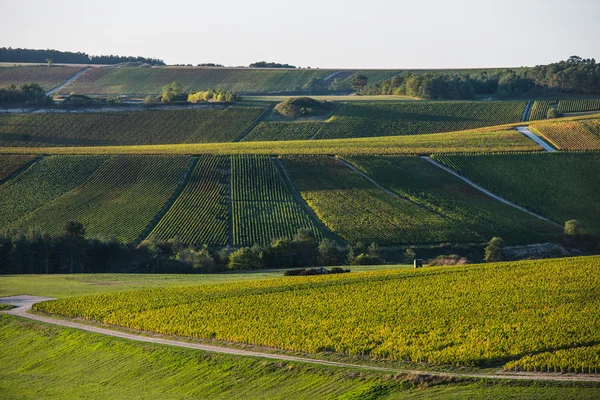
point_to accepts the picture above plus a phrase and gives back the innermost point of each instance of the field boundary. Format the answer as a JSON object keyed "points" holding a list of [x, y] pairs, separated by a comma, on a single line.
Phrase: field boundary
{"points": [[253, 125], [485, 191], [541, 142], [65, 83], [23, 308], [527, 111], [19, 171]]}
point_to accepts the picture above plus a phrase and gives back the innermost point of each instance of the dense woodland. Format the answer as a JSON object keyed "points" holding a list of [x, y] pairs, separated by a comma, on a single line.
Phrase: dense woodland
{"points": [[574, 76], [31, 94], [68, 57]]}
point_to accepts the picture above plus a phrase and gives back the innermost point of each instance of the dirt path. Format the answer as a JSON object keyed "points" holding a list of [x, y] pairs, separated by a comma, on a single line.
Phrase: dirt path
{"points": [[525, 131], [24, 304], [482, 189], [65, 83], [527, 111]]}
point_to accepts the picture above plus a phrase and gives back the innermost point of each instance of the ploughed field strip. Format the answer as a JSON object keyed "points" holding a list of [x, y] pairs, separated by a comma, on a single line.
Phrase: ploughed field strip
{"points": [[200, 215], [559, 186], [125, 127], [263, 208], [540, 107], [44, 181], [574, 135], [47, 77], [483, 216], [526, 315], [358, 211], [410, 117], [9, 164], [121, 199]]}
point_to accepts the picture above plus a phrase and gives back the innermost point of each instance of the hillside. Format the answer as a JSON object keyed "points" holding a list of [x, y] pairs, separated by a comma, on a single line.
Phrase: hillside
{"points": [[46, 77]]}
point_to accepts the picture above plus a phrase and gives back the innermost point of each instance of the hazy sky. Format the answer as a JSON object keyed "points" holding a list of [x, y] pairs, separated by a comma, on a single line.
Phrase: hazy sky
{"points": [[325, 33]]}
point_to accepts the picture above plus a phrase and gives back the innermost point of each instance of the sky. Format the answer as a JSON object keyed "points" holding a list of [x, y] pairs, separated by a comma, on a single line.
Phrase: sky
{"points": [[320, 34]]}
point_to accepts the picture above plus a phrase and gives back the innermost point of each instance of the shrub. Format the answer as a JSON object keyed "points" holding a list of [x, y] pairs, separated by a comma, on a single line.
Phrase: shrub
{"points": [[493, 252], [245, 258], [574, 228], [451, 259]]}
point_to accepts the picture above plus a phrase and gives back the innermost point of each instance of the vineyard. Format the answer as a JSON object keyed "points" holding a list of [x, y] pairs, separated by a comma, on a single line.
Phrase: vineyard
{"points": [[358, 211], [121, 199], [478, 141], [540, 107], [143, 81], [417, 117], [200, 213], [126, 127], [425, 184], [571, 135], [44, 181], [263, 208], [480, 315], [268, 131], [47, 77], [559, 186], [9, 164]]}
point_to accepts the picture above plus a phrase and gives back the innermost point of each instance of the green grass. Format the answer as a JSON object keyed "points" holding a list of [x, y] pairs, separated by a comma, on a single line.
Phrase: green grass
{"points": [[480, 141], [47, 77], [42, 361], [9, 164], [411, 118], [475, 315], [121, 199], [126, 127], [42, 182], [434, 188], [559, 186], [358, 211]]}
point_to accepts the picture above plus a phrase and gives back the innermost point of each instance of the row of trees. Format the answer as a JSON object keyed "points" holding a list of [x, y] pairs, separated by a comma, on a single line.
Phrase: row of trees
{"points": [[264, 64], [29, 94], [8, 54], [575, 76], [175, 92]]}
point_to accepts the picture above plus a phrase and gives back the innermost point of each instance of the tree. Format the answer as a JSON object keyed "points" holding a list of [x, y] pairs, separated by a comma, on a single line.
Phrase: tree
{"points": [[574, 228], [331, 253], [359, 82], [314, 84], [149, 100], [74, 237], [552, 113], [305, 248], [50, 62], [173, 92], [245, 258], [493, 251], [280, 254], [338, 84]]}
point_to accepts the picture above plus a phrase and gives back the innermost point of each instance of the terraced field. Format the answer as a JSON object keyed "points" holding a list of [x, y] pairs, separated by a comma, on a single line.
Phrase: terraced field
{"points": [[43, 182], [268, 131], [200, 213], [263, 208], [121, 199], [126, 127], [9, 164], [582, 134], [481, 315], [143, 81], [411, 118], [484, 217], [540, 107], [559, 186], [46, 77], [358, 211]]}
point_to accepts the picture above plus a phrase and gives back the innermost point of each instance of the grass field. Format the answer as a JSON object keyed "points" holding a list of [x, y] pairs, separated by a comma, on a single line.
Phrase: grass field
{"points": [[126, 127], [559, 186], [430, 186], [121, 199], [200, 215], [263, 208], [411, 118], [46, 77], [44, 181], [581, 134], [481, 315], [358, 211], [477, 141], [9, 164], [41, 361]]}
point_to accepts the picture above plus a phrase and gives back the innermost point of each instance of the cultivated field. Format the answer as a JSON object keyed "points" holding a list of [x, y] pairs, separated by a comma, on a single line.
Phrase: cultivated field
{"points": [[268, 131], [46, 77], [9, 164], [540, 107], [581, 134]]}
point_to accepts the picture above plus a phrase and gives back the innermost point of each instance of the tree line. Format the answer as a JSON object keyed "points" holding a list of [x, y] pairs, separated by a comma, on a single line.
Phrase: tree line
{"points": [[8, 54], [28, 94]]}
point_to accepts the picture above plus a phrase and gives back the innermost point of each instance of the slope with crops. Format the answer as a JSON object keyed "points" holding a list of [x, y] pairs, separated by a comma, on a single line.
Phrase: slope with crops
{"points": [[268, 131], [121, 199], [481, 315], [44, 181], [47, 77], [572, 135], [559, 186], [263, 208], [10, 164], [540, 107], [200, 215], [358, 211], [426, 184], [126, 127], [410, 117]]}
